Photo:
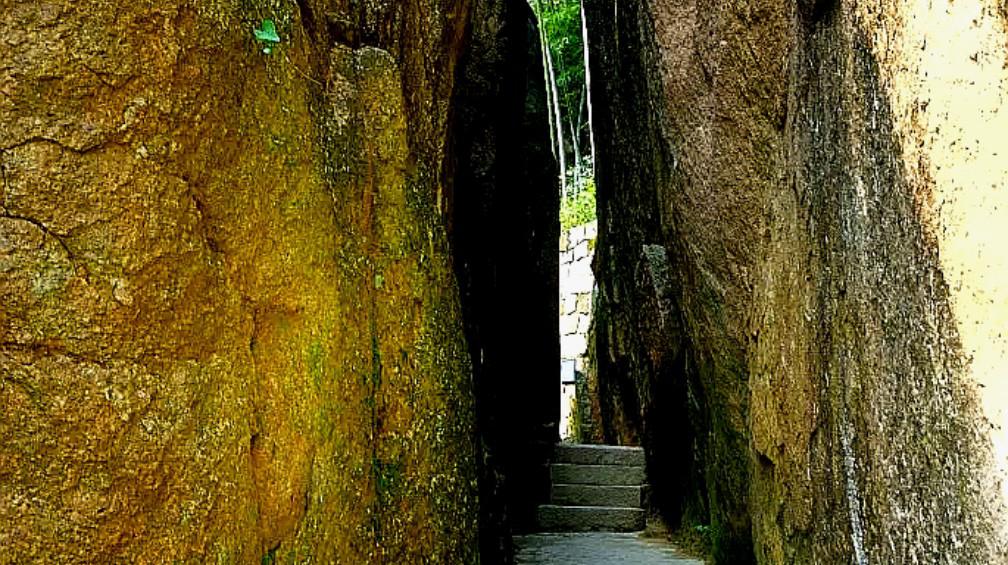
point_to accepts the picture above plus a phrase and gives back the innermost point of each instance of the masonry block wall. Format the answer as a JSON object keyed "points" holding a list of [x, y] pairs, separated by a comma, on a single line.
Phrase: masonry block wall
{"points": [[577, 247], [577, 283]]}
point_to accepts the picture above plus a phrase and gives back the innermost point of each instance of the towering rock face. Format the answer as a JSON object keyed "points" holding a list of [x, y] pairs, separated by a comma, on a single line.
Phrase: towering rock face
{"points": [[229, 327], [823, 179], [670, 351], [503, 206]]}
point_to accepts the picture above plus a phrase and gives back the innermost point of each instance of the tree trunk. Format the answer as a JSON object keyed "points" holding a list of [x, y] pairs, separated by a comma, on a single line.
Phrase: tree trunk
{"points": [[575, 145], [582, 107], [543, 42], [557, 117], [588, 92]]}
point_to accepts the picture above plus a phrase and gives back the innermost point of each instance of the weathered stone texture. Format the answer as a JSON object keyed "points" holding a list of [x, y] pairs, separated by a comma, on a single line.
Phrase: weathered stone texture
{"points": [[503, 211], [577, 284], [824, 178], [229, 327]]}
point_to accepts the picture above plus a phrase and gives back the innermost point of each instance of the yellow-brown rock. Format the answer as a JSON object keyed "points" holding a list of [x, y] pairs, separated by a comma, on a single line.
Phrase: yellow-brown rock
{"points": [[826, 179], [229, 331]]}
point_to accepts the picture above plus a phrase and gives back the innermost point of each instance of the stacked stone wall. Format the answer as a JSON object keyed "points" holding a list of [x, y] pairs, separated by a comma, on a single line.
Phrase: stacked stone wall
{"points": [[577, 247]]}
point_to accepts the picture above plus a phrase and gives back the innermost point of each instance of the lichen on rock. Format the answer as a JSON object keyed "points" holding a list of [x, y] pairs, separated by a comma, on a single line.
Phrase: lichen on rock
{"points": [[791, 160], [198, 360]]}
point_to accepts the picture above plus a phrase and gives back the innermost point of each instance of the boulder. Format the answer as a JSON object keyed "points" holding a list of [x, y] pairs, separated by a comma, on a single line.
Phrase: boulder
{"points": [[825, 179], [230, 331]]}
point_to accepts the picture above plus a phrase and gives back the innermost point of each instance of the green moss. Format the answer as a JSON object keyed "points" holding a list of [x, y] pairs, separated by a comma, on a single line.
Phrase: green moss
{"points": [[316, 363], [388, 478]]}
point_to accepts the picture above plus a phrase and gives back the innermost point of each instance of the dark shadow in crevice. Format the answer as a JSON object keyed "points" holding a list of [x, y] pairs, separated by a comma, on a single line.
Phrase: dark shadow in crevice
{"points": [[502, 210]]}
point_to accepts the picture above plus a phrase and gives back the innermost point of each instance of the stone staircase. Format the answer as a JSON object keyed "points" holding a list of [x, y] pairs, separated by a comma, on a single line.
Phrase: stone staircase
{"points": [[595, 488]]}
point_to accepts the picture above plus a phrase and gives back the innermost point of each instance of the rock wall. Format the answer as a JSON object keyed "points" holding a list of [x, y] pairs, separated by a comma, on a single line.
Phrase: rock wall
{"points": [[577, 283], [503, 213], [822, 179], [230, 331], [577, 290], [650, 383]]}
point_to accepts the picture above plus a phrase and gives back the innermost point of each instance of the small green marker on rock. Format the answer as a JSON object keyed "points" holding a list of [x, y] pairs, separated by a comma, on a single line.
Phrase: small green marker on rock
{"points": [[267, 34]]}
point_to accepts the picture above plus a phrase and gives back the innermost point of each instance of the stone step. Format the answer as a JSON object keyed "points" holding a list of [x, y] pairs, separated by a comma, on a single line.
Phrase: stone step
{"points": [[553, 518], [594, 495], [602, 475], [598, 454]]}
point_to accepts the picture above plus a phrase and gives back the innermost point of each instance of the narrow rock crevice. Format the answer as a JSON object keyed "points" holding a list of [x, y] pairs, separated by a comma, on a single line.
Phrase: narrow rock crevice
{"points": [[60, 239], [815, 12], [501, 204], [64, 146]]}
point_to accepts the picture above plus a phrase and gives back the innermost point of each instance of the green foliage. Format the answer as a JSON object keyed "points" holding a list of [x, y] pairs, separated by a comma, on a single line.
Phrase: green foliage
{"points": [[561, 22], [267, 35], [578, 207], [695, 539]]}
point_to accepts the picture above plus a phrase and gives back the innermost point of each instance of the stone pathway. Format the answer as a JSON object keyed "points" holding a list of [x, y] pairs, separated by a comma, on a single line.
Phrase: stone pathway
{"points": [[600, 548]]}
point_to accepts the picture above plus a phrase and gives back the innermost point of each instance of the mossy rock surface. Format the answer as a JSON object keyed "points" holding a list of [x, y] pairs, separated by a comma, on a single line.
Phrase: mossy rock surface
{"points": [[198, 361], [813, 176]]}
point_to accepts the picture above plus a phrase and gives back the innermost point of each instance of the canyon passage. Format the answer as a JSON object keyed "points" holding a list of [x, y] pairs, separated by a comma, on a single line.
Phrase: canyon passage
{"points": [[279, 279]]}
